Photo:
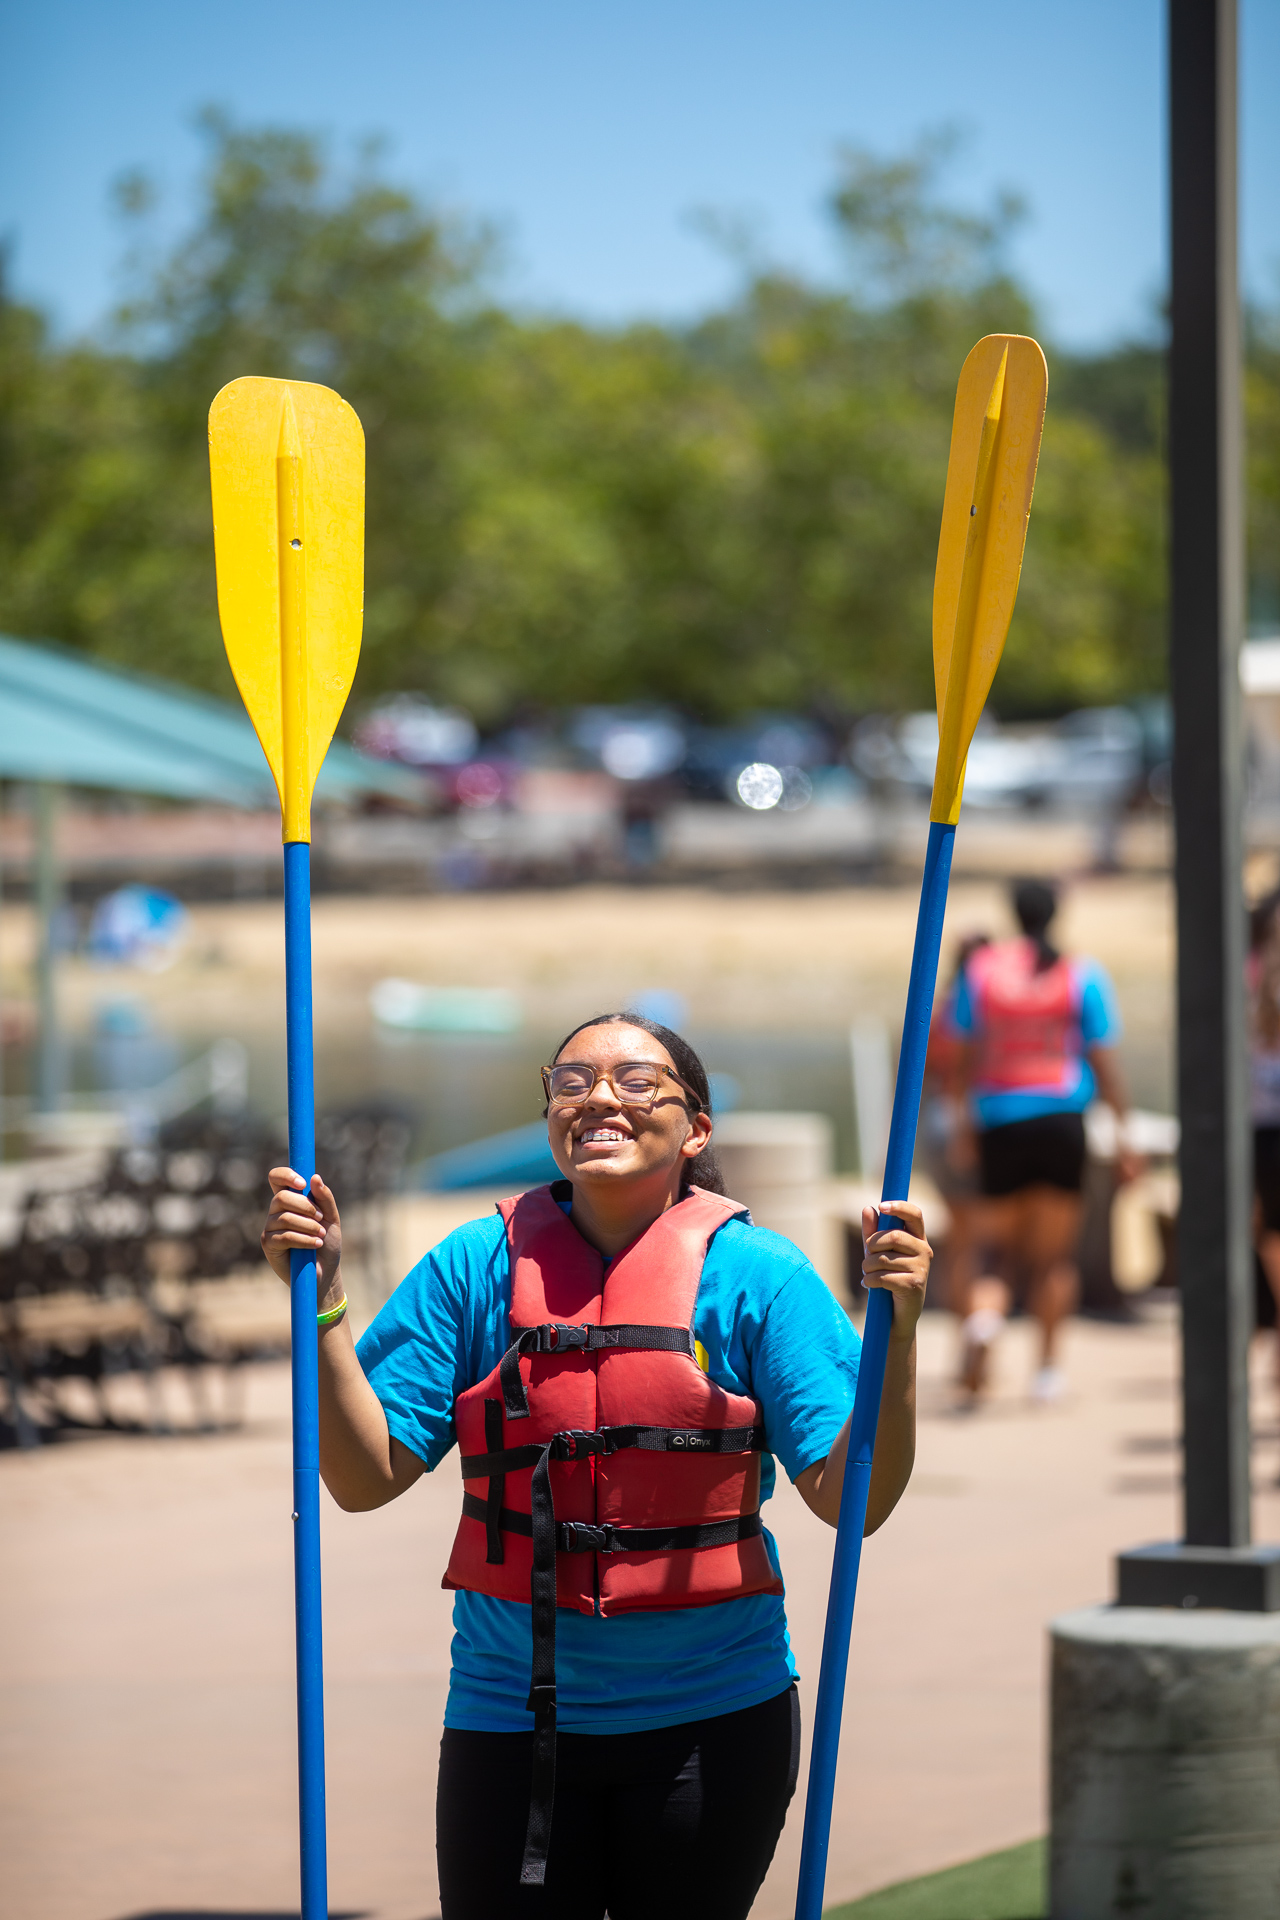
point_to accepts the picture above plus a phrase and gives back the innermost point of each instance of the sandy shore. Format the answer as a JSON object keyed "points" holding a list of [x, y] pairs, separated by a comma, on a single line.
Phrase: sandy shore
{"points": [[779, 962]]}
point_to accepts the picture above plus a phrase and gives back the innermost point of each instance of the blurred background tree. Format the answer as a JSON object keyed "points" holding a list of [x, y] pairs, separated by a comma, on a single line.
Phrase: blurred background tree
{"points": [[733, 515]]}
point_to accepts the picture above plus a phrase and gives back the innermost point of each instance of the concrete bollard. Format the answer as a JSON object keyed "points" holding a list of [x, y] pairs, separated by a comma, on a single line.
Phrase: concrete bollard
{"points": [[779, 1165], [1165, 1789]]}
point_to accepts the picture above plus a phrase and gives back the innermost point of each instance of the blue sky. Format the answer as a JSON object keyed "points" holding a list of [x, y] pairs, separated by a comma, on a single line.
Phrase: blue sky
{"points": [[592, 134]]}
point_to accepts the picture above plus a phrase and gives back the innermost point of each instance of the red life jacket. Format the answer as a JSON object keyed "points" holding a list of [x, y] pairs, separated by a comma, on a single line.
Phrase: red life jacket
{"points": [[1027, 1024], [616, 1476]]}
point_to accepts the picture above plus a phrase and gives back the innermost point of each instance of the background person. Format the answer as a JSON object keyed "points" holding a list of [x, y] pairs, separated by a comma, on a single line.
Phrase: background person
{"points": [[1040, 1030], [675, 1740], [945, 1143], [1262, 979], [944, 1127]]}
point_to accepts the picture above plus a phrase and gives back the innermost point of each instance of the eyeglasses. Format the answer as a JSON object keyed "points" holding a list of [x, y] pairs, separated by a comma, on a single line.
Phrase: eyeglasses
{"points": [[635, 1082]]}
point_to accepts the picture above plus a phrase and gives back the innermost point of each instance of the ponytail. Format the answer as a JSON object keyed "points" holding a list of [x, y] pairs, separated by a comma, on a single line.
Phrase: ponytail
{"points": [[1035, 902]]}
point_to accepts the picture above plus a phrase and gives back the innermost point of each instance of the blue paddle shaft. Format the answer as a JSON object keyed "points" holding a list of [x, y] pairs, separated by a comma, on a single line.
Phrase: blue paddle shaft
{"points": [[306, 1391], [866, 1404]]}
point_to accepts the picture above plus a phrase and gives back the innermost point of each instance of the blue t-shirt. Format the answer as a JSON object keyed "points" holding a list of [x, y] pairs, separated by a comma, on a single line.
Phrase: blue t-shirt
{"points": [[768, 1327]]}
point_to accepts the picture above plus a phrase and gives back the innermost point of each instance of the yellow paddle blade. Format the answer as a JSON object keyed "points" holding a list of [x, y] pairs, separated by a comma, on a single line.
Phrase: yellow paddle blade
{"points": [[286, 460], [995, 445]]}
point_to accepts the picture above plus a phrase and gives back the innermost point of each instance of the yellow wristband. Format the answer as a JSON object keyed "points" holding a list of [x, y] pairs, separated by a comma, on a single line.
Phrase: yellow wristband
{"points": [[332, 1315]]}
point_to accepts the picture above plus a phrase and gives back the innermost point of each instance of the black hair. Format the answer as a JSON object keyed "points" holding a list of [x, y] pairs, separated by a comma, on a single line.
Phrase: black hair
{"points": [[1035, 902], [966, 948], [704, 1169]]}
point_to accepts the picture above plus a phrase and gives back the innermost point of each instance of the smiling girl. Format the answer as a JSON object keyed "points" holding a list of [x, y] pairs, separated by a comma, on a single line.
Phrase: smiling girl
{"points": [[620, 1356]]}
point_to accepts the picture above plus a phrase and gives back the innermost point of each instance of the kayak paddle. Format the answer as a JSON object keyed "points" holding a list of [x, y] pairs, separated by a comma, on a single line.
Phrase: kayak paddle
{"points": [[995, 444], [287, 465]]}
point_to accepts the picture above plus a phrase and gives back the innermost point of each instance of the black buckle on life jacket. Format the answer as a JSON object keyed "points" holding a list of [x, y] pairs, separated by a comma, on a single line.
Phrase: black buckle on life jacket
{"points": [[575, 1443], [557, 1338], [542, 1699], [576, 1536]]}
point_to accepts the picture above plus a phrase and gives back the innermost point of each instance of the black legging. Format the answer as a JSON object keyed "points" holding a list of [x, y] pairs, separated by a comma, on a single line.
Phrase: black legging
{"points": [[680, 1822]]}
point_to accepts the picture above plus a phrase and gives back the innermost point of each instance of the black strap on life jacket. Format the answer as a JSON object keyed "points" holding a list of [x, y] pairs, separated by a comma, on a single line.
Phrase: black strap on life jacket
{"points": [[497, 1485], [579, 1444], [542, 1678], [551, 1537], [584, 1536], [553, 1337]]}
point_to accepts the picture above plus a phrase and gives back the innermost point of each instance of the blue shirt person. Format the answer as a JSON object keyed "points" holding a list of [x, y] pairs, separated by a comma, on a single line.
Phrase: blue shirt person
{"points": [[653, 1710], [769, 1328]]}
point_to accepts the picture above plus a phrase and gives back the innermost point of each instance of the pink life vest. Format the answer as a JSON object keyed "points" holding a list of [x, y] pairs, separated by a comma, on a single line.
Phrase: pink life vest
{"points": [[1026, 1024], [616, 1476]]}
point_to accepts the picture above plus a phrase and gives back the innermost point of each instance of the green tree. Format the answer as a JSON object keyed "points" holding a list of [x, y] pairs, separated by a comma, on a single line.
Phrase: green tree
{"points": [[86, 525], [737, 514], [1262, 440]]}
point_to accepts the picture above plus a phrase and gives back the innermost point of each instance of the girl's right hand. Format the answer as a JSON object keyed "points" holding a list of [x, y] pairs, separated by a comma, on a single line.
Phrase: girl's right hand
{"points": [[297, 1218]]}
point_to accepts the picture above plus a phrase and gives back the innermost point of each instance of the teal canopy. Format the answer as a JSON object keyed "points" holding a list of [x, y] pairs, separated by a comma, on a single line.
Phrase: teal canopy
{"points": [[71, 720], [519, 1158]]}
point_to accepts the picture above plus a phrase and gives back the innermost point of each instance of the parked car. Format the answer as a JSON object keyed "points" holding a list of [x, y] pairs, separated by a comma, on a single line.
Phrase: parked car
{"points": [[411, 729], [1091, 759], [1003, 770], [789, 745], [631, 743], [1099, 760], [443, 744]]}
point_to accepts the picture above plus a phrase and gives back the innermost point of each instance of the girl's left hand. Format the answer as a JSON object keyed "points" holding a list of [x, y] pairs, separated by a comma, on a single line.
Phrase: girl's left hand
{"points": [[898, 1259]]}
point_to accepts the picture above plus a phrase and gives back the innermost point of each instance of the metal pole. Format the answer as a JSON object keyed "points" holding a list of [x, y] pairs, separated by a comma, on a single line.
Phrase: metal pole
{"points": [[48, 1087], [1215, 1259], [1213, 1565]]}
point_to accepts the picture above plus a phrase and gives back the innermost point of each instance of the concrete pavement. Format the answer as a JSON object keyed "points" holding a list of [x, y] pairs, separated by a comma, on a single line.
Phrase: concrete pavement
{"points": [[146, 1645]]}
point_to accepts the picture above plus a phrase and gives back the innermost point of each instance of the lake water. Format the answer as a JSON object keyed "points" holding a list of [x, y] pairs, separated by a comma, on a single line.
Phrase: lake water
{"points": [[457, 1088]]}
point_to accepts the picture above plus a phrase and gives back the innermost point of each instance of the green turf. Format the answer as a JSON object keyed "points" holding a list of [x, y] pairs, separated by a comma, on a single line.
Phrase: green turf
{"points": [[1000, 1886]]}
